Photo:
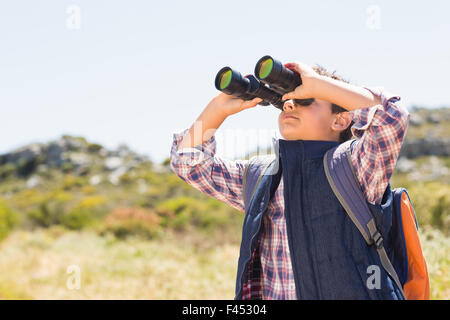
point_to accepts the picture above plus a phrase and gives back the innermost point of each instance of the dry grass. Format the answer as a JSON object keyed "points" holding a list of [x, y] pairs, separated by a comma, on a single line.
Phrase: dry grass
{"points": [[436, 248], [33, 265]]}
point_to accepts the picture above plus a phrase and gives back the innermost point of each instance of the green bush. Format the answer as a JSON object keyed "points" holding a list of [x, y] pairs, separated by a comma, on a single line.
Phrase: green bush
{"points": [[8, 219], [440, 213], [7, 170], [125, 229], [77, 219], [42, 216], [166, 162], [51, 209], [72, 182], [90, 208], [177, 212], [208, 213], [68, 167], [94, 147], [63, 208]]}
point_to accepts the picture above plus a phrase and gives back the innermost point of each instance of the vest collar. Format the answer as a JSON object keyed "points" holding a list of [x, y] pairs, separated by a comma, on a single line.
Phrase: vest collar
{"points": [[304, 149]]}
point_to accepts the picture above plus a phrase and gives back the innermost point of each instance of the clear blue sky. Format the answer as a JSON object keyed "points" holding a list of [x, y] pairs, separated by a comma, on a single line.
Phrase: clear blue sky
{"points": [[137, 71]]}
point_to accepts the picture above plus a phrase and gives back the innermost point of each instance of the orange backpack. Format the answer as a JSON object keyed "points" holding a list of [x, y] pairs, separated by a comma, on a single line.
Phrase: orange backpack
{"points": [[417, 286]]}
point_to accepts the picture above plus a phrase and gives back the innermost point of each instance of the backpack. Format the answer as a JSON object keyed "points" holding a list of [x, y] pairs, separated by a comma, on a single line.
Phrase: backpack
{"points": [[404, 262]]}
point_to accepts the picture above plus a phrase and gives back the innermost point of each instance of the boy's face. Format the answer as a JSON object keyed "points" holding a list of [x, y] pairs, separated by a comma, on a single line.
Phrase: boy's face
{"points": [[313, 122]]}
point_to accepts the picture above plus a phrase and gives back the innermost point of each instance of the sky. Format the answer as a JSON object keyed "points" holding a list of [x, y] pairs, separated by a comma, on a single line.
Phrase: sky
{"points": [[135, 72]]}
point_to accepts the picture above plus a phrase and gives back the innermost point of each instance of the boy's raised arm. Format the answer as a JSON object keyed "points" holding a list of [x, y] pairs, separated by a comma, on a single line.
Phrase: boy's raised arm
{"points": [[381, 130], [215, 113], [193, 156]]}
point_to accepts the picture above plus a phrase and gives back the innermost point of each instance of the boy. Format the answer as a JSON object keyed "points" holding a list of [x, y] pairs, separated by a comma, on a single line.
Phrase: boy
{"points": [[307, 247]]}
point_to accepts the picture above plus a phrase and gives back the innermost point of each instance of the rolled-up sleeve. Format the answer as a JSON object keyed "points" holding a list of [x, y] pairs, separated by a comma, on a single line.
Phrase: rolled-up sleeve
{"points": [[207, 172], [380, 130]]}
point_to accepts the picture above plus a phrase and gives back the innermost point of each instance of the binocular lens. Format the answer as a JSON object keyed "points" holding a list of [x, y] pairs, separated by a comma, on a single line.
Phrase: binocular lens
{"points": [[273, 73], [265, 68], [225, 79]]}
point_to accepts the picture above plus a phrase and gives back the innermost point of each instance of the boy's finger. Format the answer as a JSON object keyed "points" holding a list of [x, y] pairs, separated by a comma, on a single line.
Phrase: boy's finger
{"points": [[294, 67], [296, 94], [256, 100], [287, 96], [251, 103], [291, 65]]}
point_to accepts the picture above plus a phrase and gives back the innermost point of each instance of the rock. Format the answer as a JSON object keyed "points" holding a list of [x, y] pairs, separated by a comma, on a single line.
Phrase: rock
{"points": [[54, 153], [79, 159], [417, 176], [103, 152], [405, 165], [27, 154], [112, 163], [140, 158], [42, 168], [114, 177], [123, 150], [435, 167], [82, 170], [95, 180], [71, 154], [142, 186], [433, 118], [427, 146], [32, 182], [415, 119], [432, 170], [132, 164], [70, 143]]}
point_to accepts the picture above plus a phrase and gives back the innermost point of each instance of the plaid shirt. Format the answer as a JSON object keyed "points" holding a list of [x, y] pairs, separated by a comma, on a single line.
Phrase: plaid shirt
{"points": [[380, 131]]}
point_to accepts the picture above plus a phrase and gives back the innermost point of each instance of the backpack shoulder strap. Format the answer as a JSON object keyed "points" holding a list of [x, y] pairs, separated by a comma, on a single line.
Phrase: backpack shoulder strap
{"points": [[254, 170], [342, 179]]}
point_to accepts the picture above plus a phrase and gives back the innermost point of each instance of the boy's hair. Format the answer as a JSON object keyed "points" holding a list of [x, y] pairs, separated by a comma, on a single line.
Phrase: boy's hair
{"points": [[347, 133]]}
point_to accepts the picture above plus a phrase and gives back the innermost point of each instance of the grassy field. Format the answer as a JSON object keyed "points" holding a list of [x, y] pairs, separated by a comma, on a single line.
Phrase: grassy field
{"points": [[34, 265]]}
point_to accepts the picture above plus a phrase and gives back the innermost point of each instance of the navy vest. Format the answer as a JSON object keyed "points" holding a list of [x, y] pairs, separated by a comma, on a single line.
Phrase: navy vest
{"points": [[329, 256]]}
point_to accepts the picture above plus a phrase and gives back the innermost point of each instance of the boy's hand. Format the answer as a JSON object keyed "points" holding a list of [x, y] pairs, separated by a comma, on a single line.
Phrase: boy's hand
{"points": [[229, 104], [308, 87]]}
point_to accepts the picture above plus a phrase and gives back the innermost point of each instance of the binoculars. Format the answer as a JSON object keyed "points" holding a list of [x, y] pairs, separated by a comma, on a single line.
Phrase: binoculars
{"points": [[272, 81]]}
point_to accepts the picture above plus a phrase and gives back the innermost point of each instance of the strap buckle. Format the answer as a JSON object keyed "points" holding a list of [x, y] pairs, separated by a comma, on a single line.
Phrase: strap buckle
{"points": [[378, 240]]}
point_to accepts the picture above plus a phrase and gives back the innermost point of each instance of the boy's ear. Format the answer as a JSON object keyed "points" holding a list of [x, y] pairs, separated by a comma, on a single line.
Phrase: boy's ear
{"points": [[341, 121]]}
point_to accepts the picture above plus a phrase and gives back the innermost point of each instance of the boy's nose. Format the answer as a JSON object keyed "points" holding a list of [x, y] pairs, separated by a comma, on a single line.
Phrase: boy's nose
{"points": [[288, 105]]}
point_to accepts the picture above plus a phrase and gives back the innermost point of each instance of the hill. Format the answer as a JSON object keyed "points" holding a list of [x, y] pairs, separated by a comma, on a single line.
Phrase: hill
{"points": [[73, 182]]}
